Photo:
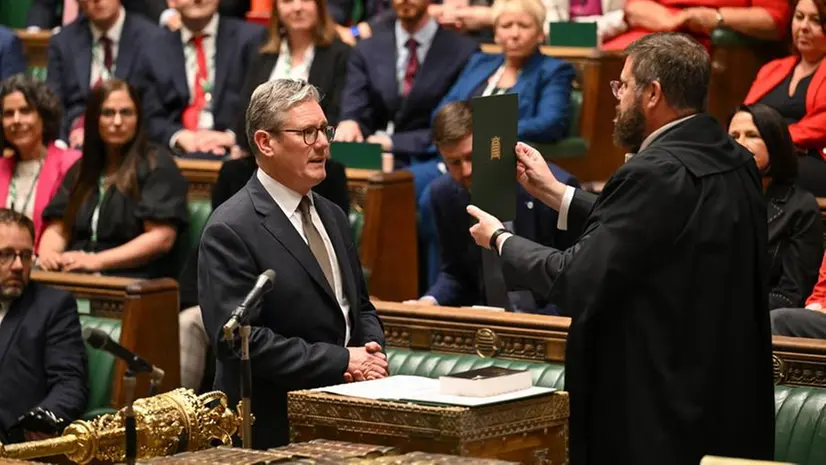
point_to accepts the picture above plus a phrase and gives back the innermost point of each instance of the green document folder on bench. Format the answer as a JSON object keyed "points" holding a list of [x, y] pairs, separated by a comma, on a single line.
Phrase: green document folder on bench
{"points": [[572, 34], [495, 124], [360, 155]]}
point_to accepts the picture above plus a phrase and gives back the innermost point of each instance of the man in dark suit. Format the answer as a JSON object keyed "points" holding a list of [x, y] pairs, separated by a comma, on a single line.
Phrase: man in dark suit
{"points": [[316, 327], [666, 286], [44, 13], [390, 92], [193, 79], [460, 281], [102, 44], [42, 356], [12, 60]]}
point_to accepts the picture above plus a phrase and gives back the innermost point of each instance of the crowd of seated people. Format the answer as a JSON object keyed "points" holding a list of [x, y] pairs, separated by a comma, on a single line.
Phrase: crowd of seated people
{"points": [[89, 155]]}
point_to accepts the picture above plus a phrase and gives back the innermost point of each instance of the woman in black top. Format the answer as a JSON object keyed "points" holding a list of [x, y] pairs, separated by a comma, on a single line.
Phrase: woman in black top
{"points": [[122, 205], [795, 229]]}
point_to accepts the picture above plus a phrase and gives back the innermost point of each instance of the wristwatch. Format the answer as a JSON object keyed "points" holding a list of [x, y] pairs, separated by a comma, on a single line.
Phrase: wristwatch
{"points": [[494, 237], [354, 29]]}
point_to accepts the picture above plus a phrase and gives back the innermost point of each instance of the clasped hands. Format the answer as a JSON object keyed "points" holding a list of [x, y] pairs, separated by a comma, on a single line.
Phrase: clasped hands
{"points": [[366, 363], [75, 260]]}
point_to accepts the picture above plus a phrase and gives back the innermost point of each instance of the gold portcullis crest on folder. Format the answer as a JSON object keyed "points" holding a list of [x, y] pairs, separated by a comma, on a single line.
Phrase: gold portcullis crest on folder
{"points": [[495, 148]]}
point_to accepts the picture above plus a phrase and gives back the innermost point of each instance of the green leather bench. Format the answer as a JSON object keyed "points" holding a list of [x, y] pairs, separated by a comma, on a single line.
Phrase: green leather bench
{"points": [[572, 146], [800, 412], [101, 366]]}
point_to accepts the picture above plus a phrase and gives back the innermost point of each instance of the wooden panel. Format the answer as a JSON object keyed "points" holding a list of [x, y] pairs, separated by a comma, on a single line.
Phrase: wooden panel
{"points": [[540, 338], [201, 175], [148, 310], [35, 47], [733, 69], [389, 245]]}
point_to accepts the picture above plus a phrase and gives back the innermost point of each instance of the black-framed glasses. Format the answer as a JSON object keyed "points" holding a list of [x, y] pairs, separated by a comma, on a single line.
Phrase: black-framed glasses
{"points": [[311, 134], [8, 256]]}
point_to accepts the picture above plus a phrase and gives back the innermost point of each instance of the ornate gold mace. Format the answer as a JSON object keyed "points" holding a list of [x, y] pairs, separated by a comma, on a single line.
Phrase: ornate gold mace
{"points": [[168, 423]]}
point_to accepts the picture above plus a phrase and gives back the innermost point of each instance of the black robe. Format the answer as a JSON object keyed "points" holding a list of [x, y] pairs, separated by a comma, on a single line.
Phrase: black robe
{"points": [[669, 350]]}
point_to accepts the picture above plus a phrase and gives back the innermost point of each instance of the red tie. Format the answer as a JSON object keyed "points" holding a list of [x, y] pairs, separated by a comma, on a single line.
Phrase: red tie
{"points": [[412, 66], [108, 60], [193, 111]]}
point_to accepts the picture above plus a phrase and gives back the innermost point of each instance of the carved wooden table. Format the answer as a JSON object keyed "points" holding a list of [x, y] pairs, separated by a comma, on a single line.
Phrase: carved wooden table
{"points": [[530, 431]]}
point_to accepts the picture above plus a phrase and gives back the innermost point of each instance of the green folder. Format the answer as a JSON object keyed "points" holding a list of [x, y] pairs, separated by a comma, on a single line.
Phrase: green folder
{"points": [[359, 155], [495, 124], [571, 34]]}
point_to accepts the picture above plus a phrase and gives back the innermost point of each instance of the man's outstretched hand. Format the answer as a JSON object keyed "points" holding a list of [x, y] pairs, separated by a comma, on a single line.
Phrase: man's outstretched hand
{"points": [[484, 229], [366, 363]]}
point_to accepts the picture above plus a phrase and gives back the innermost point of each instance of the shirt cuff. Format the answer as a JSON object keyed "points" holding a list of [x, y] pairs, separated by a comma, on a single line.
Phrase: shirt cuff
{"points": [[174, 139], [430, 298], [167, 13], [502, 239], [562, 217]]}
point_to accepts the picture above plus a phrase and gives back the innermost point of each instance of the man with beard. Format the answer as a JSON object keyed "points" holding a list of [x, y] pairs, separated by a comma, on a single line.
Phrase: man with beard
{"points": [[669, 350], [42, 356]]}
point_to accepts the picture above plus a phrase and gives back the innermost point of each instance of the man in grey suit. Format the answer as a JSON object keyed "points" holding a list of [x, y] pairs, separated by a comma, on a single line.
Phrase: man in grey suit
{"points": [[317, 326]]}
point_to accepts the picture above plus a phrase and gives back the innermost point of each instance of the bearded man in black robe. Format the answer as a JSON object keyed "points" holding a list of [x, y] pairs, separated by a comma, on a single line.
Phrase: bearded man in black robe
{"points": [[669, 350]]}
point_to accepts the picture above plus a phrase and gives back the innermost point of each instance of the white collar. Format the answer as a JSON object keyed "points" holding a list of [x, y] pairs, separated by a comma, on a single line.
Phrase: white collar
{"points": [[114, 32], [286, 198], [309, 54], [423, 36], [211, 30], [651, 137]]}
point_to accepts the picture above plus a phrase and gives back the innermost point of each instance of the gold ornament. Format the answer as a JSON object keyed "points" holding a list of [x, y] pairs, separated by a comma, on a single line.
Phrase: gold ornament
{"points": [[168, 423]]}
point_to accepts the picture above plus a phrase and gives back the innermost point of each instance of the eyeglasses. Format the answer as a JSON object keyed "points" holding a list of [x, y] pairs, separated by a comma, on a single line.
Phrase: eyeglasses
{"points": [[311, 134], [616, 88], [7, 257], [111, 112]]}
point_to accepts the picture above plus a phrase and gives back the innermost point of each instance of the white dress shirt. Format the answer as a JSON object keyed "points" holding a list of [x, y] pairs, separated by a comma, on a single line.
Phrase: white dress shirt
{"points": [[284, 67], [4, 308], [25, 178], [568, 196], [205, 121], [288, 201], [424, 37], [114, 34]]}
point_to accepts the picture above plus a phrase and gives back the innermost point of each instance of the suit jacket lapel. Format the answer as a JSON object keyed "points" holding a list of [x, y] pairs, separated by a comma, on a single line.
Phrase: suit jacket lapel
{"points": [[348, 280], [223, 57], [266, 63], [438, 58], [126, 49], [320, 68], [284, 232], [11, 321], [179, 79], [387, 81], [83, 64]]}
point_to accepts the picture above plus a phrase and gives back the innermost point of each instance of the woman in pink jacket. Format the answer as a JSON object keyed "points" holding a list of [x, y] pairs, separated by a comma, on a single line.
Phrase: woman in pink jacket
{"points": [[32, 166]]}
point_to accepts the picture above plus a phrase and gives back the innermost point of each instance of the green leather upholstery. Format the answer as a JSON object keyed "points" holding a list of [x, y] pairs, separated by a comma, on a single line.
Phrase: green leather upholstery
{"points": [[435, 364], [573, 146], [800, 425], [722, 36], [101, 367], [13, 13], [199, 211]]}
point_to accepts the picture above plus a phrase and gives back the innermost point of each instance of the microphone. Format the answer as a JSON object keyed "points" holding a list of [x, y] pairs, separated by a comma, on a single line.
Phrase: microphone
{"points": [[101, 341], [262, 286]]}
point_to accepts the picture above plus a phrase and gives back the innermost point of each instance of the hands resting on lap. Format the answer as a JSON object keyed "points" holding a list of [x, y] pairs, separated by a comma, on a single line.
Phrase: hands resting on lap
{"points": [[366, 363]]}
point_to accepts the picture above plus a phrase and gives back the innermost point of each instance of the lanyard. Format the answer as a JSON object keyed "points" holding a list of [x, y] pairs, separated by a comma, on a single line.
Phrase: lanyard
{"points": [[96, 213], [493, 83], [13, 191]]}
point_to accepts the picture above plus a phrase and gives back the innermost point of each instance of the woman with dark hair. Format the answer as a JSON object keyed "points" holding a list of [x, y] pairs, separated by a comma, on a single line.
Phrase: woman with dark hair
{"points": [[33, 166], [123, 204], [795, 228], [795, 86]]}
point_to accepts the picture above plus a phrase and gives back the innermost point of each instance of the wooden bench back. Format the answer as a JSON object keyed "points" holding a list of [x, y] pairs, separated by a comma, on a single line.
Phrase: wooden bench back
{"points": [[148, 311]]}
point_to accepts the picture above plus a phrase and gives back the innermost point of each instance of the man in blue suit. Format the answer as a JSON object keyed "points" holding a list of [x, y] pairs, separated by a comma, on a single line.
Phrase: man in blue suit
{"points": [[193, 78], [391, 92], [103, 43], [12, 60], [460, 282]]}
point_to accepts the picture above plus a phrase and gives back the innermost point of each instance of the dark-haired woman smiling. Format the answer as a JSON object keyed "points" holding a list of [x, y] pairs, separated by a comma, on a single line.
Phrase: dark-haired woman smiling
{"points": [[795, 229], [123, 203]]}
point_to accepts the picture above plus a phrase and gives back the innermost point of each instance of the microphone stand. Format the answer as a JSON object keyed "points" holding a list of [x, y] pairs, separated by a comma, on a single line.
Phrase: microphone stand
{"points": [[246, 385], [129, 418]]}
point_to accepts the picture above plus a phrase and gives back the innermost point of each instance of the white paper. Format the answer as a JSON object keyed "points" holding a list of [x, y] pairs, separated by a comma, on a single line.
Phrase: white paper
{"points": [[422, 389]]}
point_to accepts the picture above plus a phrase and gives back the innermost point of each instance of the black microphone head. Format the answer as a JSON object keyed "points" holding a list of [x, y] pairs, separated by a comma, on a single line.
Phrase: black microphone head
{"points": [[95, 337]]}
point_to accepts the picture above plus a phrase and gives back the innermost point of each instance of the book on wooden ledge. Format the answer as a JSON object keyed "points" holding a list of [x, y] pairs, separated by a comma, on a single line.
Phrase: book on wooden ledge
{"points": [[423, 390], [485, 382]]}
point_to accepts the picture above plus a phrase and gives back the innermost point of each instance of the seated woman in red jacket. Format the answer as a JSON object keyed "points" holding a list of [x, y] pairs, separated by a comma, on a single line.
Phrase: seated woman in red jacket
{"points": [[804, 322], [796, 87], [763, 19]]}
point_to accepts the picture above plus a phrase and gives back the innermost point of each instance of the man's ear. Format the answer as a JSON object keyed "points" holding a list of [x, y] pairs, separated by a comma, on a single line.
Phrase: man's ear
{"points": [[262, 140], [656, 94]]}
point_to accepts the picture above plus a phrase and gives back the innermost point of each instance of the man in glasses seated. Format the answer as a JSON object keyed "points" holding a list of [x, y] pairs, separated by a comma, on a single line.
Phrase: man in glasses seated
{"points": [[42, 356]]}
